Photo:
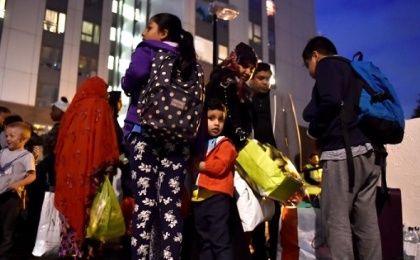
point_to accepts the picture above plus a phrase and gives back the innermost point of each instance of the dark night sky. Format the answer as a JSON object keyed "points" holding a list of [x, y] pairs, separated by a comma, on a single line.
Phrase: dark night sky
{"points": [[386, 31]]}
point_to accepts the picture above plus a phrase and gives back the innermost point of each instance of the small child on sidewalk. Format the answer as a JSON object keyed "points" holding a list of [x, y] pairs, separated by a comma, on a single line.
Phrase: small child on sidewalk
{"points": [[212, 198], [17, 169]]}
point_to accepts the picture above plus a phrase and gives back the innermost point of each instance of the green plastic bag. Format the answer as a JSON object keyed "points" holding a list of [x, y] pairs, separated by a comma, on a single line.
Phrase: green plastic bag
{"points": [[267, 171], [106, 219]]}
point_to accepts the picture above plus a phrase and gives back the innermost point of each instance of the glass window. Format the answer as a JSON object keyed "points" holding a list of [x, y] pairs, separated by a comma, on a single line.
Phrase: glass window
{"points": [[254, 33], [2, 8], [204, 49], [61, 22], [87, 31], [83, 62], [87, 68], [96, 34], [223, 52], [111, 62], [54, 22], [87, 65], [113, 34], [50, 21], [51, 57], [90, 32], [257, 31], [115, 6], [46, 94]]}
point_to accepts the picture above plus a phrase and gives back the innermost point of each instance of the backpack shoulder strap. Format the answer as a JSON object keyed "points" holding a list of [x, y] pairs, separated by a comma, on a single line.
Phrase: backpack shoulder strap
{"points": [[358, 58], [8, 164], [346, 137]]}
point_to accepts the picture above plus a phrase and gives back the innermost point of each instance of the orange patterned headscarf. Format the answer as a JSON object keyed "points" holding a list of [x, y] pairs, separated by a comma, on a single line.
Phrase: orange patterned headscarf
{"points": [[86, 144]]}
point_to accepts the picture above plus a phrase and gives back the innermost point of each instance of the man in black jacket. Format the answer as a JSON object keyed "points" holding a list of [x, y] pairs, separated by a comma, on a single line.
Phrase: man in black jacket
{"points": [[348, 212], [259, 95]]}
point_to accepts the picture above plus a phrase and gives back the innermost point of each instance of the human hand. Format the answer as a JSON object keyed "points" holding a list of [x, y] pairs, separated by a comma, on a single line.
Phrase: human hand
{"points": [[37, 153], [201, 166], [17, 188]]}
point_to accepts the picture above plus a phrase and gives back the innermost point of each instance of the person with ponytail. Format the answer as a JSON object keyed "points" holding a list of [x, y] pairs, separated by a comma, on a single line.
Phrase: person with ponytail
{"points": [[158, 168]]}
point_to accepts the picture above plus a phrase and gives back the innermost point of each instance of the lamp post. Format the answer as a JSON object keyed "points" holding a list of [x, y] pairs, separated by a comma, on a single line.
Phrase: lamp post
{"points": [[223, 11]]}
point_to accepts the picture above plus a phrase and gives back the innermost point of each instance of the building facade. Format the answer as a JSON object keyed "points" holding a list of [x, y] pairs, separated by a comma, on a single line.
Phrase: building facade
{"points": [[47, 47]]}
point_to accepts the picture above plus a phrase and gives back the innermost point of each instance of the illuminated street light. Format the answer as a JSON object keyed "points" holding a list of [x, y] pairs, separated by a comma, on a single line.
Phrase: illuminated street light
{"points": [[225, 12]]}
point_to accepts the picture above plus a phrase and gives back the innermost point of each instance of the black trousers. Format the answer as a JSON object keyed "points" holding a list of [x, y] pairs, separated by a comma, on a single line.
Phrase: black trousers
{"points": [[10, 206], [264, 250], [212, 224]]}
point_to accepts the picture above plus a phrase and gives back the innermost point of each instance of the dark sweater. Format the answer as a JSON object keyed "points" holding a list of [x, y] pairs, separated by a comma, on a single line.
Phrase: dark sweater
{"points": [[335, 85], [261, 117]]}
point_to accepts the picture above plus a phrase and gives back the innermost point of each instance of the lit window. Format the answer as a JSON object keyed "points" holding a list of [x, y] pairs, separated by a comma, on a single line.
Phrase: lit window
{"points": [[271, 7], [87, 66], [2, 8], [137, 16], [254, 32], [223, 52], [257, 31], [273, 76], [115, 6], [112, 34], [128, 12], [61, 23], [111, 62], [90, 32], [127, 39], [96, 34], [54, 22], [83, 62], [50, 22], [204, 49], [87, 31]]}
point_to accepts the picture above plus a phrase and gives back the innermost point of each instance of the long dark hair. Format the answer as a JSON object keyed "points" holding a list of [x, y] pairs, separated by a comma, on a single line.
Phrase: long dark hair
{"points": [[176, 33]]}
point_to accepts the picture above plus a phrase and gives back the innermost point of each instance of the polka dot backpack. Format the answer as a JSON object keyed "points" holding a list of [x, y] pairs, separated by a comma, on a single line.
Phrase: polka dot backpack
{"points": [[170, 107]]}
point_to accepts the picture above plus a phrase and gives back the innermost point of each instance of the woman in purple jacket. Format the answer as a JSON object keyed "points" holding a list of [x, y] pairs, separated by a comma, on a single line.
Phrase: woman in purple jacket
{"points": [[157, 167]]}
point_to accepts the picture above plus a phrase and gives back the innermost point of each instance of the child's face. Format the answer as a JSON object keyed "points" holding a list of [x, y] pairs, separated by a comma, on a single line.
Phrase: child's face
{"points": [[215, 122], [14, 138], [260, 82], [314, 160], [152, 32]]}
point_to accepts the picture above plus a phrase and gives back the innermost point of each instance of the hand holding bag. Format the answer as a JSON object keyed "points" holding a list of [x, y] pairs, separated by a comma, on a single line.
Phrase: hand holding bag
{"points": [[106, 219], [48, 236]]}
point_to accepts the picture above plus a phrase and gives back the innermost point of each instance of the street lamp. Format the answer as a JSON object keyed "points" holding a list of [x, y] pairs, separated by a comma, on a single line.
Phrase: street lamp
{"points": [[222, 11]]}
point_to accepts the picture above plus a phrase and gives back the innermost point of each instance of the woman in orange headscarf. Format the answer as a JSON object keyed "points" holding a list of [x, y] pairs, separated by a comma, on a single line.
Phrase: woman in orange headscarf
{"points": [[86, 146]]}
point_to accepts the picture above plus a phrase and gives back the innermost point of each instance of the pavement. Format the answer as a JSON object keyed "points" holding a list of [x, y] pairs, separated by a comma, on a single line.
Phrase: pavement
{"points": [[24, 244]]}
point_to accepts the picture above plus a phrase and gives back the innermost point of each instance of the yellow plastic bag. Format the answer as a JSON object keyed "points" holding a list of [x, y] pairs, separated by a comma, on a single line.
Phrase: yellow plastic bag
{"points": [[106, 219], [267, 171]]}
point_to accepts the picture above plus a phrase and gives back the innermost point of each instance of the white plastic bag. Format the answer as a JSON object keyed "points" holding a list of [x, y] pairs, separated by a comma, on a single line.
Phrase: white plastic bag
{"points": [[48, 236], [252, 208]]}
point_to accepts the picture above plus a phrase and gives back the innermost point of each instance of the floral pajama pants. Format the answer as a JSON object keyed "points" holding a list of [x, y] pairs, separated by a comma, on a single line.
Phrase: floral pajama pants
{"points": [[157, 175]]}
